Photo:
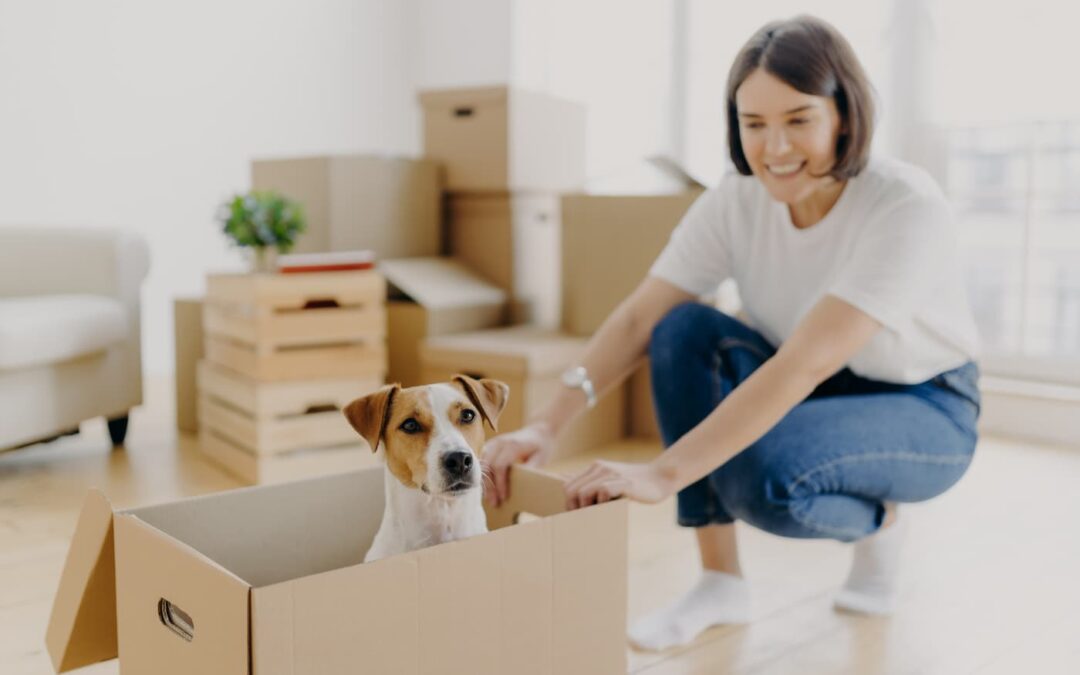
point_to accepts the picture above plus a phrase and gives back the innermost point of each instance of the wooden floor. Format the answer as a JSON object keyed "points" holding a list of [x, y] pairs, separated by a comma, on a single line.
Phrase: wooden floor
{"points": [[992, 568]]}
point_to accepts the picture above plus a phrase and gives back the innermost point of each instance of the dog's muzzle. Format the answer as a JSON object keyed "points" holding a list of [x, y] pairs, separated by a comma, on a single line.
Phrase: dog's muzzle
{"points": [[457, 467]]}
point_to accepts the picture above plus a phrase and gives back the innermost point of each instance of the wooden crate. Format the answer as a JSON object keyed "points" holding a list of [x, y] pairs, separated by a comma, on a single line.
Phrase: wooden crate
{"points": [[288, 466], [271, 431], [283, 327], [275, 417]]}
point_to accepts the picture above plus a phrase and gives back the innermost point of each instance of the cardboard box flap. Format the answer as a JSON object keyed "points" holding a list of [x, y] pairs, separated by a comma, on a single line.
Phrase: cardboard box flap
{"points": [[532, 491], [82, 626], [520, 350], [439, 283], [464, 97], [669, 167]]}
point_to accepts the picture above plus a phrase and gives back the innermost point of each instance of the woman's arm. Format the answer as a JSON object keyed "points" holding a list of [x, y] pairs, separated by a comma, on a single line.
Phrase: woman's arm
{"points": [[827, 338], [616, 347], [609, 356]]}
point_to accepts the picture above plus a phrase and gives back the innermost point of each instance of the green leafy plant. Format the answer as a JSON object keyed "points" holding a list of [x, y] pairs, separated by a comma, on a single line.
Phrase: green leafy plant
{"points": [[262, 219]]}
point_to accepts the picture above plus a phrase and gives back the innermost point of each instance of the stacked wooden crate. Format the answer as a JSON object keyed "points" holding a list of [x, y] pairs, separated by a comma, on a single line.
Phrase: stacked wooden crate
{"points": [[284, 353]]}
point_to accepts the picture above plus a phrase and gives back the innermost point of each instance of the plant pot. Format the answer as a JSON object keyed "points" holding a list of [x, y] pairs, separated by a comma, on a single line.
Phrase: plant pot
{"points": [[263, 259]]}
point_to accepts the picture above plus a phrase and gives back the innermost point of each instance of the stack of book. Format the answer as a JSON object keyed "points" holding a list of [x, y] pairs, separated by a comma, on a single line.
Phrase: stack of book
{"points": [[331, 261]]}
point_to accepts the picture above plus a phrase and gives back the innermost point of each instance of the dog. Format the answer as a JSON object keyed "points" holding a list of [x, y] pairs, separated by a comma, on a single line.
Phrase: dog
{"points": [[429, 439]]}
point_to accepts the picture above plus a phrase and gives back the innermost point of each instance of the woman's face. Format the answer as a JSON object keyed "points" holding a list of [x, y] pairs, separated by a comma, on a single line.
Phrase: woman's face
{"points": [[787, 136]]}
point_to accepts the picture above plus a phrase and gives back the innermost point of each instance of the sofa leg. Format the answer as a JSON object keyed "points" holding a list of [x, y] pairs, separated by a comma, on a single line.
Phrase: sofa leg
{"points": [[118, 430]]}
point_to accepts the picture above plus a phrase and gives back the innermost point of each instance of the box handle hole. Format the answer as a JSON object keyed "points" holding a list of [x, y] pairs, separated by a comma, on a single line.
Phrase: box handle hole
{"points": [[321, 303], [176, 619], [463, 112]]}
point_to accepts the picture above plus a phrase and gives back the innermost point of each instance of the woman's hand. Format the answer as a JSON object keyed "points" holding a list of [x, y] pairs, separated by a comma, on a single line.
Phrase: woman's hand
{"points": [[532, 444], [604, 481]]}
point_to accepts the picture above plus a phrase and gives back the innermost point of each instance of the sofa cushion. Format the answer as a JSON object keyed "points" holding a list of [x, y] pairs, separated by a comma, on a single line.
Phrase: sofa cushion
{"points": [[43, 329]]}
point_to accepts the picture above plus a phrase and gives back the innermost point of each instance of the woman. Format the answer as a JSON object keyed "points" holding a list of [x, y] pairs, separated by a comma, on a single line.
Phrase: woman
{"points": [[853, 386]]}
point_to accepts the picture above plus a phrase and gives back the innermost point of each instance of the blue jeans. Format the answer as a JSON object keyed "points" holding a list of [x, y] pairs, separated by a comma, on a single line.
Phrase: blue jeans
{"points": [[826, 469]]}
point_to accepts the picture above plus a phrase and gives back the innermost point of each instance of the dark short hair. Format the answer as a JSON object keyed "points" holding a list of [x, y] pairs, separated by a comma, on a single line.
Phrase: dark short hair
{"points": [[814, 58]]}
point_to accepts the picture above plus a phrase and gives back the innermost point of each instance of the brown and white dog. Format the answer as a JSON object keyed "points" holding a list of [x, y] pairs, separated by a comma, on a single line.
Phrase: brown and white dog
{"points": [[429, 438]]}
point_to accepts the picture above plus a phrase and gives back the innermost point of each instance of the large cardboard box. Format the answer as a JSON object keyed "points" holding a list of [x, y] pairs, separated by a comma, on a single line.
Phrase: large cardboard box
{"points": [[641, 419], [270, 581], [188, 349], [530, 360], [500, 138], [433, 296], [513, 241], [609, 242], [390, 205]]}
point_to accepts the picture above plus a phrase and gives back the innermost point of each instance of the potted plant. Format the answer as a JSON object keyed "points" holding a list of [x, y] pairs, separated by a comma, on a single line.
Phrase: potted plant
{"points": [[265, 222]]}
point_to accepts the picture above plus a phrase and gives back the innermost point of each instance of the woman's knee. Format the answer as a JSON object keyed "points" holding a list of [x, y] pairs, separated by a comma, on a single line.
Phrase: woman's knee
{"points": [[687, 328], [757, 488]]}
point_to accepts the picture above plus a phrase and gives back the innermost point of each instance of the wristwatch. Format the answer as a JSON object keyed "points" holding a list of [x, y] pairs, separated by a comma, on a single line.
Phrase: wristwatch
{"points": [[578, 378]]}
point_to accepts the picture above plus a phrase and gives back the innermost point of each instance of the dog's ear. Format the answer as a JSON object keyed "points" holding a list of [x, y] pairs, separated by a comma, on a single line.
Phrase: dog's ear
{"points": [[488, 395], [369, 414]]}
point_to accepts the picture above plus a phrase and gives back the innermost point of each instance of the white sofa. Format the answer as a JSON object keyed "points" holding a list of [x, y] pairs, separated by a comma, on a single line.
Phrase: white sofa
{"points": [[69, 330]]}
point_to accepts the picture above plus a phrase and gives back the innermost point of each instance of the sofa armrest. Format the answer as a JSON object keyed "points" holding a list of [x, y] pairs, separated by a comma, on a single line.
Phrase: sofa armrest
{"points": [[48, 260]]}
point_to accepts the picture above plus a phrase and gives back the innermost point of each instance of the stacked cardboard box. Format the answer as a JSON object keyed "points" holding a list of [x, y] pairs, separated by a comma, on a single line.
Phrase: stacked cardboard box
{"points": [[283, 355], [508, 154], [629, 231], [389, 205], [428, 297]]}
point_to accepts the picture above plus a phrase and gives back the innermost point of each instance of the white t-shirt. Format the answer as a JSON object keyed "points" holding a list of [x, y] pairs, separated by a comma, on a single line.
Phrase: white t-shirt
{"points": [[888, 247]]}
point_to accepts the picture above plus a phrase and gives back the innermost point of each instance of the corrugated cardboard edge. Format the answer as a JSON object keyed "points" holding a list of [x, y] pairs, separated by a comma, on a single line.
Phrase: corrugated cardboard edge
{"points": [[82, 625]]}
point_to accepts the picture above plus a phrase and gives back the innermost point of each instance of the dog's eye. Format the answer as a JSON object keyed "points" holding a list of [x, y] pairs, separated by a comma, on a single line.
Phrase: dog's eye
{"points": [[410, 426], [468, 415]]}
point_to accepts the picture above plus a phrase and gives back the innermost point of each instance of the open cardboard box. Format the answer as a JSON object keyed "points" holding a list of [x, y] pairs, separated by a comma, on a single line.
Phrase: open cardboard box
{"points": [[269, 580], [433, 296]]}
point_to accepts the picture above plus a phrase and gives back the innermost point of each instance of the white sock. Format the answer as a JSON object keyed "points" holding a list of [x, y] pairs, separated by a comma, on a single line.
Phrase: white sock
{"points": [[872, 583], [715, 599]]}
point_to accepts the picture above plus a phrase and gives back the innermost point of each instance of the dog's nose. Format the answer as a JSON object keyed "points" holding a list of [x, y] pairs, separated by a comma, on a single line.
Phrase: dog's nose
{"points": [[457, 463]]}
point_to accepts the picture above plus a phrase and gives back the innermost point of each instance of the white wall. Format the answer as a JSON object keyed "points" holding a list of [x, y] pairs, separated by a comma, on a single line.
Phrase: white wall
{"points": [[612, 56], [145, 115], [463, 43]]}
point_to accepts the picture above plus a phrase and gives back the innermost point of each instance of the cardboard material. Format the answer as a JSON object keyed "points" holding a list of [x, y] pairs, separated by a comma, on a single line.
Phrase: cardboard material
{"points": [[530, 360], [429, 297], [188, 347], [390, 205], [641, 419], [270, 581], [608, 245], [82, 628], [513, 241], [505, 139]]}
